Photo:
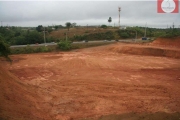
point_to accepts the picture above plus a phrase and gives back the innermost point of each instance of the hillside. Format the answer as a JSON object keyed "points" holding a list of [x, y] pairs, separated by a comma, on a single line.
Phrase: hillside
{"points": [[18, 101], [78, 31], [171, 42], [80, 34]]}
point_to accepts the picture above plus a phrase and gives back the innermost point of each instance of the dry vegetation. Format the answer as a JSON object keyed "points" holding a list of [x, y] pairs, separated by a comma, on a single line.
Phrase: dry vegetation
{"points": [[79, 31]]}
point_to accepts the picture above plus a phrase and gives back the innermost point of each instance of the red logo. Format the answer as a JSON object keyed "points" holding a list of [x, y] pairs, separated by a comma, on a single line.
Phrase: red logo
{"points": [[167, 6]]}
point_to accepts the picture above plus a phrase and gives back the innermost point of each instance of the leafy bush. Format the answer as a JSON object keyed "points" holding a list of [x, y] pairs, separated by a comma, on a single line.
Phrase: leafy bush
{"points": [[171, 33], [51, 39], [109, 35], [104, 26], [124, 35], [34, 37], [4, 49], [45, 49], [29, 49], [64, 45]]}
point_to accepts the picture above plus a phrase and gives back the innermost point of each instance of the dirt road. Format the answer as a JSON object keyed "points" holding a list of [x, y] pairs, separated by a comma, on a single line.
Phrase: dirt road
{"points": [[94, 82]]}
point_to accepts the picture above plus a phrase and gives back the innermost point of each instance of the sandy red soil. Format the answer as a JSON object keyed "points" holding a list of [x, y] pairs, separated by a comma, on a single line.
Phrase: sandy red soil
{"points": [[91, 83], [173, 42]]}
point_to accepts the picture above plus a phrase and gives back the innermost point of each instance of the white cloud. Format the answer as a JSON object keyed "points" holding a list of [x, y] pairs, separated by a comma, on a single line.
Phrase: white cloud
{"points": [[33, 13]]}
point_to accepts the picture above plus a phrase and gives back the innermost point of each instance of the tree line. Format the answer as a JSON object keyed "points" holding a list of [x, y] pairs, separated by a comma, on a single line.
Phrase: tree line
{"points": [[24, 36]]}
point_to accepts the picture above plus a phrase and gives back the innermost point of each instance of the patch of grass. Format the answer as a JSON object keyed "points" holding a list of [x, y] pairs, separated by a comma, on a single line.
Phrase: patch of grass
{"points": [[86, 45], [65, 46], [29, 49]]}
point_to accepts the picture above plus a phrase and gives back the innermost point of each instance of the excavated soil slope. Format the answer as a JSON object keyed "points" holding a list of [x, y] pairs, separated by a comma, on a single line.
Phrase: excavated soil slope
{"points": [[146, 50], [91, 83], [171, 42], [18, 101]]}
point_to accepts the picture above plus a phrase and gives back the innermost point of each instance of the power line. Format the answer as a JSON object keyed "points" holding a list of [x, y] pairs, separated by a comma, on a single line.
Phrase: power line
{"points": [[44, 37]]}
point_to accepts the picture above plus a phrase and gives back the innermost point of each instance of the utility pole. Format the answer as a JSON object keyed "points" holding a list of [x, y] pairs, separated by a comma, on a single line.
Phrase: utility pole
{"points": [[145, 31], [44, 37], [173, 25], [66, 36], [119, 9], [1, 23]]}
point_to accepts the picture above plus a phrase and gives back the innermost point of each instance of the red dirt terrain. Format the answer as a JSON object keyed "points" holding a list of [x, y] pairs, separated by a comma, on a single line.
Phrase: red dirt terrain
{"points": [[173, 42], [112, 82]]}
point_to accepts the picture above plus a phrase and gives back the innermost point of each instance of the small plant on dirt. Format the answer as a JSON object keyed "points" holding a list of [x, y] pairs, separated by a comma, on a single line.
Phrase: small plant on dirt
{"points": [[64, 45], [45, 49], [42, 49]]}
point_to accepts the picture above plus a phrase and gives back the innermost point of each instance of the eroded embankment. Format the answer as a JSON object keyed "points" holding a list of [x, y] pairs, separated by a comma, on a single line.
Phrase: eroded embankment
{"points": [[170, 42], [163, 47], [18, 101], [146, 50]]}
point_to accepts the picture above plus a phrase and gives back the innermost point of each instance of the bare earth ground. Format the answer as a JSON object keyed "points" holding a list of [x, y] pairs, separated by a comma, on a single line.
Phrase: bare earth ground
{"points": [[99, 81]]}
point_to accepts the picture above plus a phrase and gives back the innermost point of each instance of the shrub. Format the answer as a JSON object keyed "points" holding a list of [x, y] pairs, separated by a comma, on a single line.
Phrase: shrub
{"points": [[28, 49], [4, 50], [124, 35], [45, 49], [64, 45], [104, 26]]}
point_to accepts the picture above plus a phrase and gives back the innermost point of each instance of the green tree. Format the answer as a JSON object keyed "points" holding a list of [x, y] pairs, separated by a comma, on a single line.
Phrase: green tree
{"points": [[56, 27], [19, 40], [34, 37], [104, 26], [73, 25], [124, 35], [68, 25], [60, 26], [110, 20], [49, 29], [39, 28], [4, 49]]}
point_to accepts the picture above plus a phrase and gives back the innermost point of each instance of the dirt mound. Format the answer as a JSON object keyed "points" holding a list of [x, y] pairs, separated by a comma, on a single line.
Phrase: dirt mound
{"points": [[145, 50], [17, 101], [172, 42]]}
